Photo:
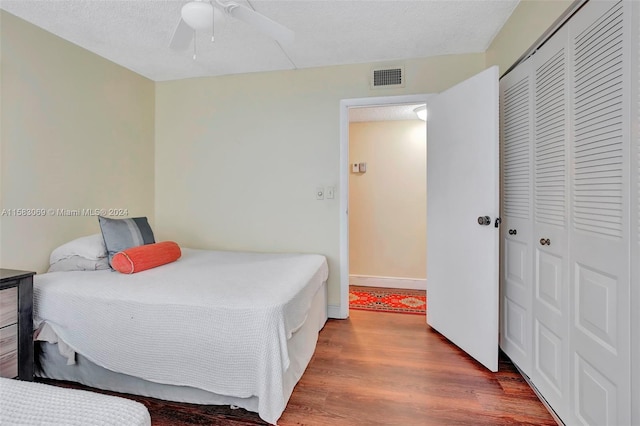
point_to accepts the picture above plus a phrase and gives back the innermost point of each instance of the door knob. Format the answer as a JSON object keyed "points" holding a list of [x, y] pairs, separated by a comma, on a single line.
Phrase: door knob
{"points": [[513, 231], [545, 242], [484, 220]]}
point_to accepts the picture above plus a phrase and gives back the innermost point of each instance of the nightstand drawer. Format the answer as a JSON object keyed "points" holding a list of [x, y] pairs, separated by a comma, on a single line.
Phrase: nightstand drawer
{"points": [[8, 339], [9, 365], [9, 351], [8, 306], [16, 324]]}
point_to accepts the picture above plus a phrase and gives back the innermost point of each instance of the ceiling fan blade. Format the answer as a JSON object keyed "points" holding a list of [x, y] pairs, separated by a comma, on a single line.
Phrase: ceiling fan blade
{"points": [[269, 27], [181, 36]]}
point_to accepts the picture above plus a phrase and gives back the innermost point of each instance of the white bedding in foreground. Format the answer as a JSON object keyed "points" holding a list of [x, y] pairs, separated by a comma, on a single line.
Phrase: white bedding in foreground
{"points": [[217, 321], [27, 403]]}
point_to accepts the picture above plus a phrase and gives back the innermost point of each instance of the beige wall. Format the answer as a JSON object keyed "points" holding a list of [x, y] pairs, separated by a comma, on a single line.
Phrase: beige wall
{"points": [[77, 131], [238, 158], [527, 23], [388, 203]]}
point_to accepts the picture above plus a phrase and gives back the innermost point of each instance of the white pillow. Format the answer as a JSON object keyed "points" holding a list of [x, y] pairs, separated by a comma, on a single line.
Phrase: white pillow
{"points": [[90, 247], [79, 263]]}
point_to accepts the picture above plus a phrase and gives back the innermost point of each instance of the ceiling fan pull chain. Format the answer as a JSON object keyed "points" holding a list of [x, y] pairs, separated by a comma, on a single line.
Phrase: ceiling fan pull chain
{"points": [[213, 21], [195, 39]]}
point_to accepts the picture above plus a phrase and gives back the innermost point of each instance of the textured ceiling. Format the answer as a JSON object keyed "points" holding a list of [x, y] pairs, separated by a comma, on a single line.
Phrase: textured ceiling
{"points": [[136, 33]]}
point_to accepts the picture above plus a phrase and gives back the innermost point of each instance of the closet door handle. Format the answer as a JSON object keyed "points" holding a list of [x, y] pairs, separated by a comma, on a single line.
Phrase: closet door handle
{"points": [[513, 231], [545, 242]]}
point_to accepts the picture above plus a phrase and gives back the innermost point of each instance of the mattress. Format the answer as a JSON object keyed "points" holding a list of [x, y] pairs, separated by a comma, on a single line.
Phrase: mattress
{"points": [[214, 321], [28, 403]]}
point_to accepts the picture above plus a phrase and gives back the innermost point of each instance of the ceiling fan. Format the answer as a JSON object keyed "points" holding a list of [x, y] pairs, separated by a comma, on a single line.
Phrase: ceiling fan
{"points": [[199, 15]]}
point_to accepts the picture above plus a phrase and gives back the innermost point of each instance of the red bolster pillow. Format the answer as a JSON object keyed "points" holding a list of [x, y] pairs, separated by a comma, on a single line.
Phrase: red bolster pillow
{"points": [[141, 258]]}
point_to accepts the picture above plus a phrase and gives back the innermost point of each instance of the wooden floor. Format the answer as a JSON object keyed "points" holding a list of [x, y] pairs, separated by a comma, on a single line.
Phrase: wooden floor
{"points": [[393, 369]]}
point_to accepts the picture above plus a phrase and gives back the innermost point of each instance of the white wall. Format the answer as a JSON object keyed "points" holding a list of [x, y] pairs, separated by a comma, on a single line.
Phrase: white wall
{"points": [[77, 131], [238, 158]]}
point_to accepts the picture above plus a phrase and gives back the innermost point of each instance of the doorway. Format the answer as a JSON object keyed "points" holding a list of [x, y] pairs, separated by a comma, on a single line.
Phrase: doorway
{"points": [[346, 171], [387, 208], [463, 190]]}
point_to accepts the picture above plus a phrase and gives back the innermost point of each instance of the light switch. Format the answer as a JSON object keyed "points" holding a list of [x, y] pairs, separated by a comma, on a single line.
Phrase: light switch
{"points": [[355, 168], [330, 192], [319, 193], [362, 167]]}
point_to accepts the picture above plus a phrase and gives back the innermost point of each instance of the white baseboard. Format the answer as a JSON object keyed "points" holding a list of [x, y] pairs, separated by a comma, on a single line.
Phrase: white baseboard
{"points": [[333, 311], [389, 282], [540, 397]]}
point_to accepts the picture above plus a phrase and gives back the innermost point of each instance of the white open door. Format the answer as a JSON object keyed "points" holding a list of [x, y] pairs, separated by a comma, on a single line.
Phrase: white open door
{"points": [[463, 188]]}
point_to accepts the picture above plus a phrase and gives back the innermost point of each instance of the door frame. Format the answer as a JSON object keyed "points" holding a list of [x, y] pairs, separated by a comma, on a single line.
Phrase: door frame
{"points": [[342, 311]]}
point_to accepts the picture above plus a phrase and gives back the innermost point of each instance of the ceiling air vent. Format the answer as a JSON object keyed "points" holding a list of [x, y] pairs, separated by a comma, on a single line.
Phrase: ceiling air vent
{"points": [[387, 77]]}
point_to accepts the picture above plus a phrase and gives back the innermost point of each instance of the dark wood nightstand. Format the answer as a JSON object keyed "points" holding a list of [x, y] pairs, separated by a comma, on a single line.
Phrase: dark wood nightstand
{"points": [[16, 324]]}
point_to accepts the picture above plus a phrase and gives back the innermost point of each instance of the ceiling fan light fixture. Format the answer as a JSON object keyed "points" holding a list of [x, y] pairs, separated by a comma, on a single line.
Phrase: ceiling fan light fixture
{"points": [[421, 112], [198, 14]]}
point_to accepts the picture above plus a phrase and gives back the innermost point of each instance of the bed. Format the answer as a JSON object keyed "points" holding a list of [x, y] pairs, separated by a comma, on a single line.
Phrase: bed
{"points": [[211, 328], [28, 403]]}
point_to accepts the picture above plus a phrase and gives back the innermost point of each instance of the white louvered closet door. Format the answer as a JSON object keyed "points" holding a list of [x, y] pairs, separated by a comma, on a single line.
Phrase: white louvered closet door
{"points": [[635, 218], [516, 101], [599, 219], [550, 370]]}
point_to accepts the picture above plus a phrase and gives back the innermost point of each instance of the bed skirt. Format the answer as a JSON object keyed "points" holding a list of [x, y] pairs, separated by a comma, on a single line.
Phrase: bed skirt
{"points": [[301, 347]]}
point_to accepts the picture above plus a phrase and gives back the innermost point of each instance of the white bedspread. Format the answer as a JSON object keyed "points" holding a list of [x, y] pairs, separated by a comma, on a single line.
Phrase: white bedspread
{"points": [[26, 403], [217, 321]]}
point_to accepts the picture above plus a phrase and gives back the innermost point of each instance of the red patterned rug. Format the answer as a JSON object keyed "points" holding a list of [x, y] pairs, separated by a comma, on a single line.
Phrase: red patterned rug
{"points": [[388, 300]]}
